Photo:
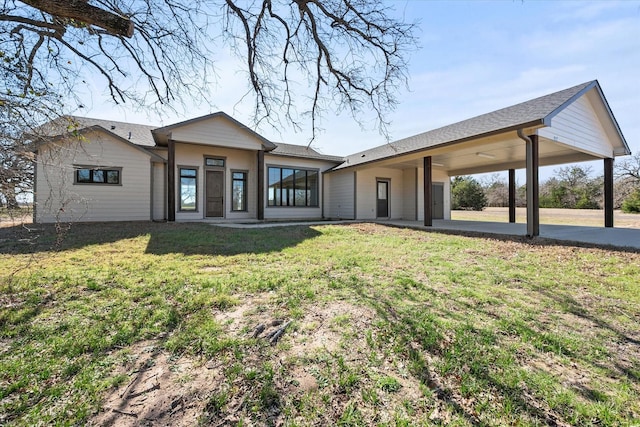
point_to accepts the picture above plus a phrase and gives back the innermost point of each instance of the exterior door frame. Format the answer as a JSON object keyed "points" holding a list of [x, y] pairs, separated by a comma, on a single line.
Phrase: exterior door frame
{"points": [[387, 182], [434, 210], [223, 171]]}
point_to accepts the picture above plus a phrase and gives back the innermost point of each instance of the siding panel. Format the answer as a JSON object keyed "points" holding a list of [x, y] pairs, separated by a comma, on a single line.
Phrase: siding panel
{"points": [[218, 132], [340, 195], [579, 127], [59, 199]]}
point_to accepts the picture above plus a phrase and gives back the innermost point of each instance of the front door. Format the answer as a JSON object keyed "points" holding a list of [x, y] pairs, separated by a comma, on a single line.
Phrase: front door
{"points": [[215, 194], [437, 196], [382, 205]]}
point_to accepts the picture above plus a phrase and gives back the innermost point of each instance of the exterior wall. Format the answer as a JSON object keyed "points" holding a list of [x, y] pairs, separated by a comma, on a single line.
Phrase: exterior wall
{"points": [[59, 199], [436, 176], [192, 155], [219, 132], [159, 192], [409, 194], [578, 126], [293, 212], [366, 192], [340, 195]]}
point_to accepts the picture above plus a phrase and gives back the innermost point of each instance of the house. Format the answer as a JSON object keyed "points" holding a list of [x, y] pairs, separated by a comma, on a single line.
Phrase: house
{"points": [[214, 167]]}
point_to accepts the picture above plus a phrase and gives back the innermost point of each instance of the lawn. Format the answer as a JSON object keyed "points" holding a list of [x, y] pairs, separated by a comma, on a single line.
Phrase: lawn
{"points": [[170, 324]]}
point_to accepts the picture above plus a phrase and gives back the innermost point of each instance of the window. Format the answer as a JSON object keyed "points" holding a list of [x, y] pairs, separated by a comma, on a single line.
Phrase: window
{"points": [[292, 187], [98, 176], [188, 189], [238, 191], [214, 162]]}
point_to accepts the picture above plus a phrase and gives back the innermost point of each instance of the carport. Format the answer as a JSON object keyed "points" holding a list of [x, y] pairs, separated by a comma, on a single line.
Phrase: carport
{"points": [[572, 125]]}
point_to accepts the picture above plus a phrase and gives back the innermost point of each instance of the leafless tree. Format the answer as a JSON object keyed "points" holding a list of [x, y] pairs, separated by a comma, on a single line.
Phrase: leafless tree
{"points": [[303, 57], [629, 168]]}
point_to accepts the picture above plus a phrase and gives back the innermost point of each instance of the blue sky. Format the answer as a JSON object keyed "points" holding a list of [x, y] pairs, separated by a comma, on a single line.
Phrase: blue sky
{"points": [[475, 57]]}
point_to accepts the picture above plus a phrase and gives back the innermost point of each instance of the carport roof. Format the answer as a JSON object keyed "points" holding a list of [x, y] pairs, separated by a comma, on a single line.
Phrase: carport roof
{"points": [[532, 114]]}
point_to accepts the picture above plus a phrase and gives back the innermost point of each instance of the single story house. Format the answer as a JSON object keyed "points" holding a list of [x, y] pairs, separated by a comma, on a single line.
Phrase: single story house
{"points": [[214, 167]]}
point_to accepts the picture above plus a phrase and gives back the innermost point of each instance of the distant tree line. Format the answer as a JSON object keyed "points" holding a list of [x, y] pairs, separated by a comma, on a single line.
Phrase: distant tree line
{"points": [[571, 187]]}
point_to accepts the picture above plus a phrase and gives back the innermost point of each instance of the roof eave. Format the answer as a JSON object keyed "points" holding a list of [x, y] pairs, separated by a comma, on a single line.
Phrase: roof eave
{"points": [[535, 123]]}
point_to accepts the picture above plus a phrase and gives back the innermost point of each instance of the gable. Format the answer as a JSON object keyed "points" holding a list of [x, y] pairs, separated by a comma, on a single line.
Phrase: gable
{"points": [[586, 126], [217, 129]]}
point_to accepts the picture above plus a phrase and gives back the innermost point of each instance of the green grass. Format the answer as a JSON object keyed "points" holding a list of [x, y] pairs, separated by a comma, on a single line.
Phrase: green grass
{"points": [[390, 326]]}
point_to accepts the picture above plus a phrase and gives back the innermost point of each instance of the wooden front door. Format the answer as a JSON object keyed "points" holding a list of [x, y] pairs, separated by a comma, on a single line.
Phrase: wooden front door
{"points": [[215, 194], [437, 196], [382, 204]]}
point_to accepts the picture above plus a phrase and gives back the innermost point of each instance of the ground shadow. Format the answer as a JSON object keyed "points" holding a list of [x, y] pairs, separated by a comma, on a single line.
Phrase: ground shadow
{"points": [[164, 238]]}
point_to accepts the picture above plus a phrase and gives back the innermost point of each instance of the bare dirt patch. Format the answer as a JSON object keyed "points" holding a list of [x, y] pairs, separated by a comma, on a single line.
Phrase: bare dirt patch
{"points": [[160, 390]]}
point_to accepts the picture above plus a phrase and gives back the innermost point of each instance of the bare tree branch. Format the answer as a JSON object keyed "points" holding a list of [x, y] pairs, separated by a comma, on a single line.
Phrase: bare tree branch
{"points": [[83, 12]]}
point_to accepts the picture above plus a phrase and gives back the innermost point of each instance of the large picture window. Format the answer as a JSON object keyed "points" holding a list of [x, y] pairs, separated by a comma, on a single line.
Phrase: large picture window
{"points": [[188, 189], [292, 187], [86, 175], [238, 191]]}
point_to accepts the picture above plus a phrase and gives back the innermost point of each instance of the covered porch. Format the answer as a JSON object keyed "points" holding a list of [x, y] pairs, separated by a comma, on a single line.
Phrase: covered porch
{"points": [[572, 125]]}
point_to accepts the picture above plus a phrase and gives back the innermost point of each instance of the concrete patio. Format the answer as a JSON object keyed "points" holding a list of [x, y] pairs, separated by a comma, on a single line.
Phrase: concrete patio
{"points": [[627, 238]]}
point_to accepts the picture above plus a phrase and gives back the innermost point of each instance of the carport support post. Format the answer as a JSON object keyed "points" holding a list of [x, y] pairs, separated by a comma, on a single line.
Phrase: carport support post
{"points": [[261, 184], [171, 181], [512, 195], [608, 192], [533, 209], [428, 196]]}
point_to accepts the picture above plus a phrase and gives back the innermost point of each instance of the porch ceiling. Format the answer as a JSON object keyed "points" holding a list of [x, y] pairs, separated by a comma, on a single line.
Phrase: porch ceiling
{"points": [[491, 154]]}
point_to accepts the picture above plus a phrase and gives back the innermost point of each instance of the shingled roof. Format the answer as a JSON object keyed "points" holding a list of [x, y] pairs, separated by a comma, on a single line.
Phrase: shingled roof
{"points": [[535, 112], [302, 151], [134, 133]]}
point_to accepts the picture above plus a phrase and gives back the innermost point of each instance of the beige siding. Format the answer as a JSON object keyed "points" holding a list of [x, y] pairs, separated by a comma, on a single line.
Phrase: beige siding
{"points": [[579, 127], [217, 131], [409, 194], [158, 189], [366, 192], [292, 212], [192, 155], [436, 176], [58, 198], [340, 195]]}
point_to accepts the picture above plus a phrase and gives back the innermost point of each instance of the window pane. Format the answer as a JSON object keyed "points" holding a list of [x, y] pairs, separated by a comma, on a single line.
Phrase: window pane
{"points": [[113, 177], [287, 187], [238, 192], [188, 189], [382, 190], [237, 196], [312, 188], [98, 175], [274, 187], [301, 188], [187, 194], [215, 162], [83, 175], [188, 172]]}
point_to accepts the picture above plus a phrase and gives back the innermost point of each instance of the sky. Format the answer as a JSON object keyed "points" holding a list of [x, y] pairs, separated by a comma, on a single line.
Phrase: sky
{"points": [[474, 57]]}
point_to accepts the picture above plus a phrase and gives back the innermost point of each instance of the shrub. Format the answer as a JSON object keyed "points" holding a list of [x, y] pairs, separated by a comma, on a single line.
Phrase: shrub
{"points": [[467, 193], [632, 203]]}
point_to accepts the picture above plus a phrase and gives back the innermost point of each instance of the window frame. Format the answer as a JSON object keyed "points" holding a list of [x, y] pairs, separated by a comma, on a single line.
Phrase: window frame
{"points": [[285, 197], [245, 181], [180, 176], [91, 170]]}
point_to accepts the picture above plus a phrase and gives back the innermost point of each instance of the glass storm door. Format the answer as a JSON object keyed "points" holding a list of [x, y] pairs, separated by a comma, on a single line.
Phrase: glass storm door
{"points": [[382, 205]]}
